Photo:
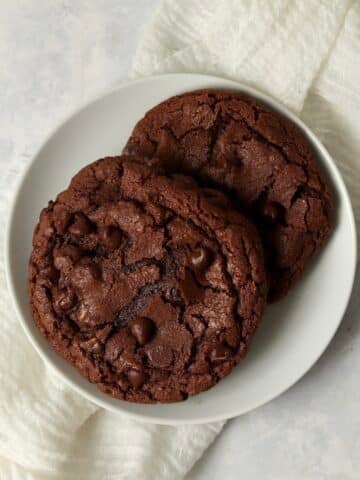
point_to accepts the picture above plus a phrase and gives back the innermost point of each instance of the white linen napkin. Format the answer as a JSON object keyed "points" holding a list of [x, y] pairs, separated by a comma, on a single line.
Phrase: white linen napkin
{"points": [[306, 54]]}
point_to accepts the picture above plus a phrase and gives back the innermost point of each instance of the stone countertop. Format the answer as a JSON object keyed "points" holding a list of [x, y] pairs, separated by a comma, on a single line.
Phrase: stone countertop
{"points": [[55, 56]]}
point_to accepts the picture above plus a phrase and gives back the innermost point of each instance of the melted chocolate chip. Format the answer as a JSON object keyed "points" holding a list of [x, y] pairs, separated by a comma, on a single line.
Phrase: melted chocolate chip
{"points": [[48, 276], [82, 312], [136, 378], [81, 226], [93, 346], [94, 271], [142, 329], [184, 181], [271, 212], [100, 250], [66, 300], [123, 383], [220, 353], [200, 258], [161, 356], [111, 237], [216, 198]]}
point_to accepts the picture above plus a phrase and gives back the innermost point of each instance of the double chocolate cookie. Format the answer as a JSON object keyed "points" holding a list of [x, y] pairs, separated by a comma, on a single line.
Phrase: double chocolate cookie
{"points": [[240, 145], [150, 286]]}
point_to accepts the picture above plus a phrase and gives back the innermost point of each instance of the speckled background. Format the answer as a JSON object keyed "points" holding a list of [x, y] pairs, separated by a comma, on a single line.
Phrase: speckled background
{"points": [[55, 55]]}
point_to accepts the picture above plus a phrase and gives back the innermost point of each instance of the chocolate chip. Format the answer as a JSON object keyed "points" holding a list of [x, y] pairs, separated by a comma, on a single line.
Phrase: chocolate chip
{"points": [[48, 276], [123, 383], [68, 328], [200, 258], [82, 312], [136, 378], [100, 250], [83, 317], [271, 212], [142, 329], [66, 300], [92, 345], [81, 226], [183, 181], [160, 356], [216, 198], [220, 353], [111, 237], [52, 273]]}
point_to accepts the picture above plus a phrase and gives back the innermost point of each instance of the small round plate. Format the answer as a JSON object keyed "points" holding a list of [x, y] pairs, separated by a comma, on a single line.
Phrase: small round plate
{"points": [[294, 332]]}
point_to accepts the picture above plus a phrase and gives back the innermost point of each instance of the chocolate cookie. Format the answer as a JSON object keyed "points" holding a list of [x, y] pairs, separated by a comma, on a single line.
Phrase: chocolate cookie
{"points": [[144, 282], [240, 145]]}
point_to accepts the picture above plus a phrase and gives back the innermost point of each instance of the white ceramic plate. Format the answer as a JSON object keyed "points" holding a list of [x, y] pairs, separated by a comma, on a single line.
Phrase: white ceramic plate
{"points": [[294, 332]]}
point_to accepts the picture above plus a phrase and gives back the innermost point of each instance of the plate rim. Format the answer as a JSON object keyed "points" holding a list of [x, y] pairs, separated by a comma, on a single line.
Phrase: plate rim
{"points": [[97, 97]]}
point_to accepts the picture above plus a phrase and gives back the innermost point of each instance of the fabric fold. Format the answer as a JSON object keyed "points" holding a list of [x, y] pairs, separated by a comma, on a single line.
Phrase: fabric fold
{"points": [[277, 47]]}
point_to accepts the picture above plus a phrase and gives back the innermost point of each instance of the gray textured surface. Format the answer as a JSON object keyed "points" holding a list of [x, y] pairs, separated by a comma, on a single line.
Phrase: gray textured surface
{"points": [[54, 56]]}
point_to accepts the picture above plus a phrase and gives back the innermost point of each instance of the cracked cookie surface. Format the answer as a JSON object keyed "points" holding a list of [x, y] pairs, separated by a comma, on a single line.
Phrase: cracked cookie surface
{"points": [[144, 282], [234, 142]]}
